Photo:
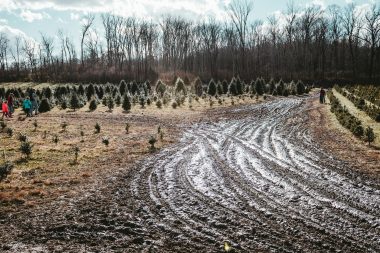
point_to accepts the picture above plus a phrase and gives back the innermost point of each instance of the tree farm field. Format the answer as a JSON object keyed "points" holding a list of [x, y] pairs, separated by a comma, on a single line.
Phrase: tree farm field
{"points": [[53, 169]]}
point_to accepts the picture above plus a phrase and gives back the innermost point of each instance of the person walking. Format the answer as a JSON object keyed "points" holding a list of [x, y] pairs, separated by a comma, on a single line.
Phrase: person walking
{"points": [[34, 102], [322, 95], [27, 106], [10, 104], [5, 109]]}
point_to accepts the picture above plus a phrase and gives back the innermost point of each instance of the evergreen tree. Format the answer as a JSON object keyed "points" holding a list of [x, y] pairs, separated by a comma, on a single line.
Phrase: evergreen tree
{"points": [[300, 88], [90, 91], [81, 90], [44, 105], [369, 135], [135, 88], [110, 103], [239, 86], [232, 88], [123, 87], [74, 102], [259, 87], [93, 105], [280, 87], [126, 104], [211, 90], [225, 86]]}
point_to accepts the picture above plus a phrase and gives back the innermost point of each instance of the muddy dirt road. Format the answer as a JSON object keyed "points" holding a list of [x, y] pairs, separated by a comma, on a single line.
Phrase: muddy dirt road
{"points": [[258, 181]]}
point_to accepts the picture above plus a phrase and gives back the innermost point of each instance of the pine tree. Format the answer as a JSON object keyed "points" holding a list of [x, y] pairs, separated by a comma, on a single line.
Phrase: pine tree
{"points": [[110, 103], [211, 90], [93, 105], [259, 88], [74, 102], [44, 105], [126, 104], [369, 135], [300, 88]]}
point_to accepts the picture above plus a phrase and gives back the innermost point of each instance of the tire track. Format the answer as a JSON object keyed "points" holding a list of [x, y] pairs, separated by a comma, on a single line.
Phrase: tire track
{"points": [[261, 183]]}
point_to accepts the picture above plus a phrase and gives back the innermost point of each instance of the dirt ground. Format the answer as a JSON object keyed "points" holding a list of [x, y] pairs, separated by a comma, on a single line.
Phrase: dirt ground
{"points": [[277, 176]]}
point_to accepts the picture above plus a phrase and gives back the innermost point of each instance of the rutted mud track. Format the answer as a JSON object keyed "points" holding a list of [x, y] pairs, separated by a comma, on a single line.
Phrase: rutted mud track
{"points": [[259, 182]]}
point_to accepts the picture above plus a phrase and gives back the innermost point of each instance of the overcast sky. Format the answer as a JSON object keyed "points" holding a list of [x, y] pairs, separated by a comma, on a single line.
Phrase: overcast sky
{"points": [[30, 18]]}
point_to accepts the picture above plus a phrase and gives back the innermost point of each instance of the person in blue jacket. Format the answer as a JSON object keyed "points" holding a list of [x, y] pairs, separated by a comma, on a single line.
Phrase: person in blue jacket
{"points": [[27, 106]]}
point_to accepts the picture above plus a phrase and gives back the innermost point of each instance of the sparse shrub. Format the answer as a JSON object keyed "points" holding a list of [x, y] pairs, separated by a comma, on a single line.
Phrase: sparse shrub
{"points": [[35, 124], [106, 141], [174, 105], [127, 126], [104, 101], [126, 104], [152, 141], [3, 125], [55, 139], [93, 105], [97, 128], [22, 137], [26, 148], [159, 104], [369, 135], [9, 132], [5, 170], [76, 154], [148, 101], [44, 105], [64, 126], [358, 131]]}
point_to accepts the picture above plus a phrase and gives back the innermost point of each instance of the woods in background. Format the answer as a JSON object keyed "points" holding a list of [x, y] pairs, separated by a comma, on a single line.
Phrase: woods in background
{"points": [[337, 43]]}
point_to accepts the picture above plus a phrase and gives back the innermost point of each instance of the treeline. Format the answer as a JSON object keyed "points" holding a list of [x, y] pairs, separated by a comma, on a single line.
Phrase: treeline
{"points": [[308, 44], [126, 94]]}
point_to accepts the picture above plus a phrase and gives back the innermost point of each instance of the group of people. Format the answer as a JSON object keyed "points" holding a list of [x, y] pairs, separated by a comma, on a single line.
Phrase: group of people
{"points": [[8, 106], [29, 105]]}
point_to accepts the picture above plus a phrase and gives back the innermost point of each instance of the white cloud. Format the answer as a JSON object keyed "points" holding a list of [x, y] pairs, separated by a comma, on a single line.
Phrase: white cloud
{"points": [[320, 3], [193, 9], [30, 16], [12, 33], [74, 16], [3, 21]]}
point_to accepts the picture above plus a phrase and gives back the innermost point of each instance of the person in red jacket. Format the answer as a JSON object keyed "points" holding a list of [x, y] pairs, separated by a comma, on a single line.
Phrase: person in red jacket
{"points": [[5, 110]]}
